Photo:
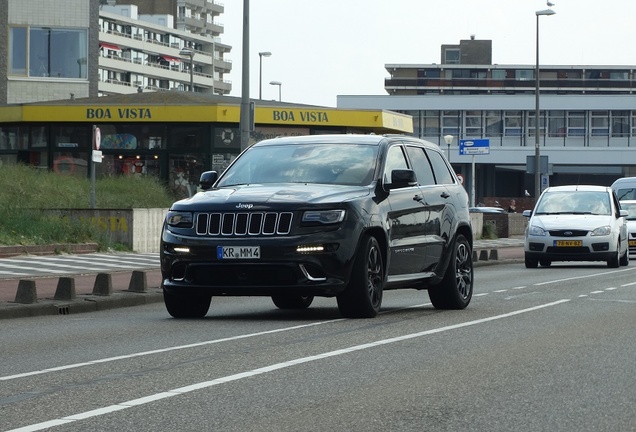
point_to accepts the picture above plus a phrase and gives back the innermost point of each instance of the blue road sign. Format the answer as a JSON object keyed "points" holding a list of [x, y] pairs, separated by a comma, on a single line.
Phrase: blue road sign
{"points": [[474, 147]]}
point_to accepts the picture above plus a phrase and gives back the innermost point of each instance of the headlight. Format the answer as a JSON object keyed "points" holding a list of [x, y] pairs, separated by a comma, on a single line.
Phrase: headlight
{"points": [[602, 231], [179, 219], [323, 216], [536, 231]]}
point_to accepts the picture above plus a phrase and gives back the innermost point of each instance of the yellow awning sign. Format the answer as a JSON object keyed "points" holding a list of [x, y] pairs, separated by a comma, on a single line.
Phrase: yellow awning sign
{"points": [[264, 115]]}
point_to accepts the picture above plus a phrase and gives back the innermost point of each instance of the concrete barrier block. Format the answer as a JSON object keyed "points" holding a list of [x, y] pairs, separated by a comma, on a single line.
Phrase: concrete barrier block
{"points": [[138, 281], [26, 293], [475, 258], [494, 255], [103, 285], [483, 255], [65, 289]]}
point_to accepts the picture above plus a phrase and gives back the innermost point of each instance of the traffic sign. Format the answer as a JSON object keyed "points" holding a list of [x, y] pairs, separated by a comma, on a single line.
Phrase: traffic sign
{"points": [[474, 147], [98, 138]]}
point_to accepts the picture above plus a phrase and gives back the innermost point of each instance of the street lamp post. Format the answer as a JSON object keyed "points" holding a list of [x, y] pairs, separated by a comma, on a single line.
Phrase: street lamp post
{"points": [[260, 72], [188, 52], [537, 119], [448, 139], [279, 84]]}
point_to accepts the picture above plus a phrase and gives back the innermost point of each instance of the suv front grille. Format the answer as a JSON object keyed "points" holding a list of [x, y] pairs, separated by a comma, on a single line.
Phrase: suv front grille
{"points": [[244, 224]]}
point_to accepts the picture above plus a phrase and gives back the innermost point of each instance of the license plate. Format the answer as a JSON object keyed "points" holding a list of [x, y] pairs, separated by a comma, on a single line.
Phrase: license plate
{"points": [[238, 252], [632, 242], [568, 243]]}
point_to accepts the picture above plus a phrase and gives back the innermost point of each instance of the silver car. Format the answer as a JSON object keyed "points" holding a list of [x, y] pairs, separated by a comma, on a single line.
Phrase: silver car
{"points": [[576, 223]]}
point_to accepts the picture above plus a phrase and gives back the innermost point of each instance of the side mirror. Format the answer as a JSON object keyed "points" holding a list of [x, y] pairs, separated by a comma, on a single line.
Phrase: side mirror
{"points": [[207, 180], [623, 213], [527, 213], [402, 178]]}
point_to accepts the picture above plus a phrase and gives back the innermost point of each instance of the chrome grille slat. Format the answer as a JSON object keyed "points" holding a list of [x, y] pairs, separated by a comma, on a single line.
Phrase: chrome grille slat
{"points": [[244, 224]]}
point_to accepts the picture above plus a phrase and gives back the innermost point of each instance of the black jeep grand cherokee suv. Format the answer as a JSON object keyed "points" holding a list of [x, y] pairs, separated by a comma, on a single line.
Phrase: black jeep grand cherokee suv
{"points": [[325, 215]]}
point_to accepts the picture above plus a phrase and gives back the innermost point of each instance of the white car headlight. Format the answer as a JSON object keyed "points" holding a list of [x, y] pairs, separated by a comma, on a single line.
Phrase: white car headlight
{"points": [[536, 231], [602, 231]]}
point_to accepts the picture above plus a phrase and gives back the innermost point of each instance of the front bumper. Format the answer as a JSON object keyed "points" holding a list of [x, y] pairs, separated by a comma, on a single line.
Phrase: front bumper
{"points": [[280, 269], [542, 248]]}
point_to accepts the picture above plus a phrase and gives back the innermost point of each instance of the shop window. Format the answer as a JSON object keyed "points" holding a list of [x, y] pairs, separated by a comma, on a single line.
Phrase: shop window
{"points": [[129, 165], [184, 174]]}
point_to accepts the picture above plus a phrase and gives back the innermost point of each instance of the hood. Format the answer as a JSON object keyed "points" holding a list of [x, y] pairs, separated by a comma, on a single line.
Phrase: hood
{"points": [[269, 195], [568, 221]]}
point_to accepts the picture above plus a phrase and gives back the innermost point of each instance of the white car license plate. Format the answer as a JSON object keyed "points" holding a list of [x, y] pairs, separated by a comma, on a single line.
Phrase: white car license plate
{"points": [[238, 252]]}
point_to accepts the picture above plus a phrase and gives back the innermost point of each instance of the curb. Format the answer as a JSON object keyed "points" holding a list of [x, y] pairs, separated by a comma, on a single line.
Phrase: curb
{"points": [[48, 249], [81, 304]]}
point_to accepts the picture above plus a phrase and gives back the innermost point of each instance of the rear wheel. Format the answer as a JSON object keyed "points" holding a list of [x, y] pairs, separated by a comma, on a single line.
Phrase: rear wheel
{"points": [[186, 305], [456, 289], [363, 296], [292, 301], [531, 262]]}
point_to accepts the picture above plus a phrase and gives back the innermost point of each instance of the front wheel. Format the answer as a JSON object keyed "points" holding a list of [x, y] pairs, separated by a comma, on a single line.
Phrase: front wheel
{"points": [[625, 258], [456, 289], [292, 301], [186, 305], [363, 296], [531, 262]]}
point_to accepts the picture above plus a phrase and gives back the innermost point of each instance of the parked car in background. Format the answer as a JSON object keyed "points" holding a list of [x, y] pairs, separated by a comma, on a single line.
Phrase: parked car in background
{"points": [[630, 206], [625, 188], [486, 210], [576, 223], [344, 216]]}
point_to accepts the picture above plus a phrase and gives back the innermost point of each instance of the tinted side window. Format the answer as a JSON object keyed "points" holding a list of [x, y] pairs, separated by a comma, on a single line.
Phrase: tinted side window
{"points": [[421, 165], [394, 160], [440, 168]]}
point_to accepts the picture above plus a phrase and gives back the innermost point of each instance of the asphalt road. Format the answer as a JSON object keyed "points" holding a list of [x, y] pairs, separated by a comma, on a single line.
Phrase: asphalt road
{"points": [[537, 350]]}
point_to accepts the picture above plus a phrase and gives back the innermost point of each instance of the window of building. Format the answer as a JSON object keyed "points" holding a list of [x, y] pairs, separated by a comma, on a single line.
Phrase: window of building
{"points": [[452, 56], [532, 123], [498, 74], [430, 124], [451, 123], [620, 123], [524, 74], [599, 123], [556, 123], [513, 125], [576, 123], [494, 123], [37, 52], [473, 124]]}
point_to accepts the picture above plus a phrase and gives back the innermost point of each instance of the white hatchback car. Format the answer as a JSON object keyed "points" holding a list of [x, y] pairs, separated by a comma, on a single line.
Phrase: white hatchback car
{"points": [[576, 223]]}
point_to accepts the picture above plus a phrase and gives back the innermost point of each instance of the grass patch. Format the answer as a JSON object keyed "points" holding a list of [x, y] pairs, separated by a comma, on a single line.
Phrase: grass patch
{"points": [[28, 190]]}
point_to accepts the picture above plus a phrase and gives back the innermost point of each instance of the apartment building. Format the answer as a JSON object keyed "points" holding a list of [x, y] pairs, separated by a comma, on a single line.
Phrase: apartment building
{"points": [[587, 118], [63, 49]]}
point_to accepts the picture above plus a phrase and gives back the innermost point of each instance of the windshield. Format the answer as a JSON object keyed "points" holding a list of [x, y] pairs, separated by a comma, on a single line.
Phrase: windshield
{"points": [[307, 163], [574, 202]]}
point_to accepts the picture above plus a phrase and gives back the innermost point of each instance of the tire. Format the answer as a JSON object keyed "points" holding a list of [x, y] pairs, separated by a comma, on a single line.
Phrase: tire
{"points": [[625, 258], [614, 261], [456, 289], [363, 296], [292, 301], [186, 305], [545, 263], [531, 262]]}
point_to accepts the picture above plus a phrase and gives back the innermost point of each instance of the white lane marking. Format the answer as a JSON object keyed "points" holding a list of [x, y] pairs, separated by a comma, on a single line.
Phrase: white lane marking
{"points": [[610, 289], [271, 368], [500, 291], [583, 277], [519, 287], [583, 295], [480, 294], [46, 265], [39, 269], [597, 292], [629, 284]]}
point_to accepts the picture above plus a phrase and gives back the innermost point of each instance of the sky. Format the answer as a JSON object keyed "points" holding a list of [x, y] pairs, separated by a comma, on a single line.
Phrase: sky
{"points": [[325, 48]]}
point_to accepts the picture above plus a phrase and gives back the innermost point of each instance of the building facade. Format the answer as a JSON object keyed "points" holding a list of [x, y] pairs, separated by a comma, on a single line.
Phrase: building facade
{"points": [[64, 49], [587, 118]]}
